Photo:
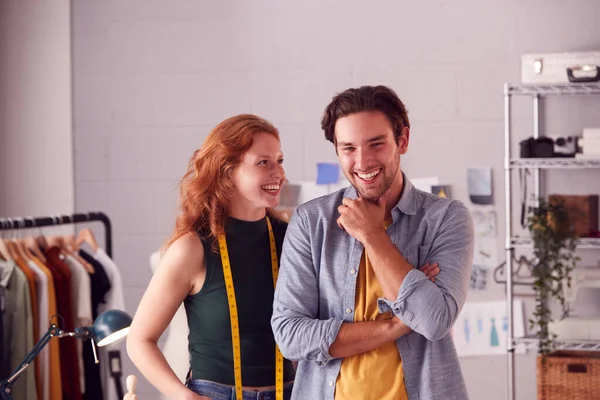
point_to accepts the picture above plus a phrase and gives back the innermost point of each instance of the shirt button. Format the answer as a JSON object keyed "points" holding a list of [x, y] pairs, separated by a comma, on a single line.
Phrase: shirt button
{"points": [[330, 383], [348, 310], [352, 271]]}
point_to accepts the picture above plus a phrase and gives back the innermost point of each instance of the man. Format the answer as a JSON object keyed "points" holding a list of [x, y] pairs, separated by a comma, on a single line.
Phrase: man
{"points": [[352, 304]]}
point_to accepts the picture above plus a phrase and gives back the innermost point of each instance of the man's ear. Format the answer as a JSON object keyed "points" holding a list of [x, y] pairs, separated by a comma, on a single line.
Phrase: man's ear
{"points": [[403, 140]]}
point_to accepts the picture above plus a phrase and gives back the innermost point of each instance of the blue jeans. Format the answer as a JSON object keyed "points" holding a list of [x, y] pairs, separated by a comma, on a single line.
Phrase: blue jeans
{"points": [[217, 391]]}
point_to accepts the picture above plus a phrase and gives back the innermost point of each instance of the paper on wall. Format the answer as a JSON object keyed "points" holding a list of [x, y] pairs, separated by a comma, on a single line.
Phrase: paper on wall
{"points": [[482, 328]]}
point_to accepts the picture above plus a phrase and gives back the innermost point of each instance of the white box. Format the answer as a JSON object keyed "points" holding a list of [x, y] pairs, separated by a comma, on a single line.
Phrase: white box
{"points": [[568, 67], [591, 133]]}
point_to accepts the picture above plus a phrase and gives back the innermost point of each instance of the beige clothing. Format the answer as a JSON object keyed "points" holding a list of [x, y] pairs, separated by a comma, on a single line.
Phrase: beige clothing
{"points": [[43, 324], [18, 322]]}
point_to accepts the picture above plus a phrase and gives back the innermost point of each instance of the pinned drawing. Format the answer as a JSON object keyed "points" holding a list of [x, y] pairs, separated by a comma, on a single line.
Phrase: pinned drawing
{"points": [[441, 190], [484, 223], [494, 342], [490, 336], [479, 275]]}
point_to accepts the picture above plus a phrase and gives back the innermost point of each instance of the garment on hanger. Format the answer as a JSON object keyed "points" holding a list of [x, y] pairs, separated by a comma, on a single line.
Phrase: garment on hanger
{"points": [[18, 327], [115, 299], [32, 282], [42, 306], [54, 376], [81, 306], [100, 285], [68, 348]]}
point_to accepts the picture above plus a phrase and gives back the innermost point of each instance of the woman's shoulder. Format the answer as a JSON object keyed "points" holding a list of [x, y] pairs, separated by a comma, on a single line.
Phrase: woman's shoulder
{"points": [[185, 250]]}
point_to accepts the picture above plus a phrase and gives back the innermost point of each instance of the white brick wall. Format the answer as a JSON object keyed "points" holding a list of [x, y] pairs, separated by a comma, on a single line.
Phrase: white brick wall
{"points": [[36, 140], [152, 77]]}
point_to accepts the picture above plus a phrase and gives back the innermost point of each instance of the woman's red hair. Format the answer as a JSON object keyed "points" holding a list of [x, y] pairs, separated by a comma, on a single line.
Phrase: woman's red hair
{"points": [[207, 186]]}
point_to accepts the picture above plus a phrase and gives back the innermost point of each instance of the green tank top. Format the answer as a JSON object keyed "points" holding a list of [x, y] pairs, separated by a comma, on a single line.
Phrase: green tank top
{"points": [[208, 310]]}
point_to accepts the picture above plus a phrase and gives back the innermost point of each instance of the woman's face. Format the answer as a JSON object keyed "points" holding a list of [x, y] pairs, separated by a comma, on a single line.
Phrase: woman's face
{"points": [[260, 175]]}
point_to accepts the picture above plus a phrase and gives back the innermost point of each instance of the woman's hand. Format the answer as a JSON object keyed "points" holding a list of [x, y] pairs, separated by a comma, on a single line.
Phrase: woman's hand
{"points": [[430, 270]]}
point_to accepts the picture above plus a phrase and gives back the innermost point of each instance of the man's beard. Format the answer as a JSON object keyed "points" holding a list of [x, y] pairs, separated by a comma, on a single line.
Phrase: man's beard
{"points": [[386, 184]]}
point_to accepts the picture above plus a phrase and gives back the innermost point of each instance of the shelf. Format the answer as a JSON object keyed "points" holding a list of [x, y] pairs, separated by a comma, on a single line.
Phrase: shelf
{"points": [[552, 89], [583, 243], [531, 343], [554, 163]]}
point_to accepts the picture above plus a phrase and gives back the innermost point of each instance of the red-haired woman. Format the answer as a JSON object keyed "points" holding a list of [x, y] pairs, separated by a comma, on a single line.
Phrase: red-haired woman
{"points": [[221, 262]]}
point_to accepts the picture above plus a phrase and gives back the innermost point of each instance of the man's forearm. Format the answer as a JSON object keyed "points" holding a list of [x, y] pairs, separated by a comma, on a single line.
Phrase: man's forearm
{"points": [[389, 265], [360, 337]]}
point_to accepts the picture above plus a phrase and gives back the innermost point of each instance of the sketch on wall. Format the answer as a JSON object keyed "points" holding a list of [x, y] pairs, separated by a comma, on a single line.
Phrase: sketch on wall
{"points": [[485, 257], [482, 328]]}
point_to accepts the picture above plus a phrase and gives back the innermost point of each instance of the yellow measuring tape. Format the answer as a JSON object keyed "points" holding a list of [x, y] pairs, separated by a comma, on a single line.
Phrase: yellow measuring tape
{"points": [[233, 316]]}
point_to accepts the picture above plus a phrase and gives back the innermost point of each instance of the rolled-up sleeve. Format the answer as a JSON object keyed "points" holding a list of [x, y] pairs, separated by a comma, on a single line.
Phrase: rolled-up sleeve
{"points": [[432, 308], [298, 332]]}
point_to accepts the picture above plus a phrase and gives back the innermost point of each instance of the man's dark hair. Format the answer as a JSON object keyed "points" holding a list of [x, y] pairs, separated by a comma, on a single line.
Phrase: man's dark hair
{"points": [[365, 98]]}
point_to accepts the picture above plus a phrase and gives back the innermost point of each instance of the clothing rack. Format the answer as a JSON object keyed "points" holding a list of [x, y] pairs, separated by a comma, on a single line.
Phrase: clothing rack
{"points": [[58, 219]]}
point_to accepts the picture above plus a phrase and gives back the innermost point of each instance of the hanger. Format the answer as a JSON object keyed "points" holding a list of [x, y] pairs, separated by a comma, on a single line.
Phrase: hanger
{"points": [[11, 244], [54, 240], [33, 246], [40, 240], [4, 252], [73, 249], [17, 245], [24, 250], [521, 261], [87, 236]]}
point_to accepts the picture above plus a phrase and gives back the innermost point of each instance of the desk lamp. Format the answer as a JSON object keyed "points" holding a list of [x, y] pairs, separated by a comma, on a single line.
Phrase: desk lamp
{"points": [[109, 327]]}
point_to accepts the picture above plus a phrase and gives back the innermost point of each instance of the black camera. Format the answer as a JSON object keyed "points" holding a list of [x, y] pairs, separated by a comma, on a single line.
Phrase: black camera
{"points": [[548, 147]]}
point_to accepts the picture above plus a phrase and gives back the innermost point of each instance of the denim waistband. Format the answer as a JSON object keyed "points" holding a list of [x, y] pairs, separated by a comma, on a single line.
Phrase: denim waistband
{"points": [[218, 391]]}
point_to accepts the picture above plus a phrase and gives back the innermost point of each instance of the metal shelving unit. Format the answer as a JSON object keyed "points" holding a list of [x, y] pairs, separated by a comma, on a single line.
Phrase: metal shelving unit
{"points": [[583, 243], [531, 343], [537, 166], [554, 163], [551, 89]]}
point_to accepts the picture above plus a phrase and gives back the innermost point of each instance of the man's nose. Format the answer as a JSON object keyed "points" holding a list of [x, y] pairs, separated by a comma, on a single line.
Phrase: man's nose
{"points": [[362, 158]]}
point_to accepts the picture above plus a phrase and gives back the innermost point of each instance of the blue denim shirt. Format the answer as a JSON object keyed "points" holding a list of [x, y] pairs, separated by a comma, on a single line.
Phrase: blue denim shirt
{"points": [[316, 290]]}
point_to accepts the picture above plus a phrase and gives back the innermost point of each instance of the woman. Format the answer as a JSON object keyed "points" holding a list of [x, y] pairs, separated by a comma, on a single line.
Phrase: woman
{"points": [[227, 200]]}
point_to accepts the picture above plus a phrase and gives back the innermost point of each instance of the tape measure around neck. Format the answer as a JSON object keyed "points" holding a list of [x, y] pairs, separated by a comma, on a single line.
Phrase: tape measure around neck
{"points": [[233, 316]]}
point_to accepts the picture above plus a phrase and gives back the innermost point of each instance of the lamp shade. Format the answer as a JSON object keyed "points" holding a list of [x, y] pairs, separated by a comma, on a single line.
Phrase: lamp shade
{"points": [[111, 326]]}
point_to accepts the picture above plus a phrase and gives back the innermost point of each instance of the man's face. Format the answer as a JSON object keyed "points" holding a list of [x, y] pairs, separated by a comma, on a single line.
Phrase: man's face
{"points": [[368, 152]]}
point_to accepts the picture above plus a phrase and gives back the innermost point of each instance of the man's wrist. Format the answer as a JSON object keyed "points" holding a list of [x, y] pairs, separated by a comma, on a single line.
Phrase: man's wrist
{"points": [[375, 236]]}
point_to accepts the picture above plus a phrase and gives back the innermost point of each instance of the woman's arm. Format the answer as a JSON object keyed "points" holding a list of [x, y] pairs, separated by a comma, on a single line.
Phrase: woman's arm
{"points": [[181, 272]]}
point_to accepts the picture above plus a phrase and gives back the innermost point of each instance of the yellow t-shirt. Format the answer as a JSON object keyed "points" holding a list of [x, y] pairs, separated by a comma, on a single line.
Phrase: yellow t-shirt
{"points": [[376, 374]]}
